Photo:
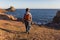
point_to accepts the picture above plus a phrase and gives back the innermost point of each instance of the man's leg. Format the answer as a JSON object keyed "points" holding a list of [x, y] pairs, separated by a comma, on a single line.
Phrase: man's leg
{"points": [[28, 27]]}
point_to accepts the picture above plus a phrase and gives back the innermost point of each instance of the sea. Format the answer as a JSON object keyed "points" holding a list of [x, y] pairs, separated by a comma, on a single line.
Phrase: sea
{"points": [[39, 16]]}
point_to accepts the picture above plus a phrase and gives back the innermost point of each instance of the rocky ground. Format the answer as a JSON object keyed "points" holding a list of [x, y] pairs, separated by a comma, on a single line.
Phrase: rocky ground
{"points": [[14, 30]]}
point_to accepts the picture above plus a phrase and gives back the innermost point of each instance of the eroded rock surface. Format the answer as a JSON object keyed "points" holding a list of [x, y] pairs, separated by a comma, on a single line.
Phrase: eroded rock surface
{"points": [[7, 17]]}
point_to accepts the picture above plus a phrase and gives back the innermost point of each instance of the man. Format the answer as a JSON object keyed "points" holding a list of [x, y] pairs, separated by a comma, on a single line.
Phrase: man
{"points": [[27, 20]]}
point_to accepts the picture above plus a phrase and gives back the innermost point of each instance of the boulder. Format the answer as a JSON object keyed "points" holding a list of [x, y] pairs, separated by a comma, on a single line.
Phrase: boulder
{"points": [[56, 19], [7, 17]]}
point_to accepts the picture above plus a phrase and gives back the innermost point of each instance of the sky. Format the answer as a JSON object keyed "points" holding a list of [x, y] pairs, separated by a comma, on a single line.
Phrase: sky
{"points": [[39, 4]]}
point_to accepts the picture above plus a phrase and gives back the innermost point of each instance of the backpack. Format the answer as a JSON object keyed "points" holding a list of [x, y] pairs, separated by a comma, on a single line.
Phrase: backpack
{"points": [[27, 17]]}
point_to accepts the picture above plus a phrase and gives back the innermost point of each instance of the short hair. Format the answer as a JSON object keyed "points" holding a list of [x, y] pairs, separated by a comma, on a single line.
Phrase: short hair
{"points": [[27, 9]]}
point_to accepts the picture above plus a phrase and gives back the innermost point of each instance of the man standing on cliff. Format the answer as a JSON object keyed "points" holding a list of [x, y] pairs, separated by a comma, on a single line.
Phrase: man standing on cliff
{"points": [[27, 20]]}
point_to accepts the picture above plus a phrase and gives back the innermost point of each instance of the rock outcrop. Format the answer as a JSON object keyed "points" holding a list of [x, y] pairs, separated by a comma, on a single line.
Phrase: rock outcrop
{"points": [[56, 19], [2, 11], [7, 17], [12, 9]]}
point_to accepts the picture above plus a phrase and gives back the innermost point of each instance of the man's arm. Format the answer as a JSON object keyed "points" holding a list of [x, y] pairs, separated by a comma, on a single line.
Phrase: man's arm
{"points": [[31, 18], [23, 18]]}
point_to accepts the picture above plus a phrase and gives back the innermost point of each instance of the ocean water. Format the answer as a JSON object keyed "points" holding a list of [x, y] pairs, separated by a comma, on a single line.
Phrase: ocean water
{"points": [[40, 16]]}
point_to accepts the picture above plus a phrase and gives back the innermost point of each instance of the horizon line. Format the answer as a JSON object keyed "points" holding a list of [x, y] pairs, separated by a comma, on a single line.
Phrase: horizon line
{"points": [[30, 8]]}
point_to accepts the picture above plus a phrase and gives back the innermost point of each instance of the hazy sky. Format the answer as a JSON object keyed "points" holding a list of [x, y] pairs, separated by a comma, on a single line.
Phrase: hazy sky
{"points": [[30, 3]]}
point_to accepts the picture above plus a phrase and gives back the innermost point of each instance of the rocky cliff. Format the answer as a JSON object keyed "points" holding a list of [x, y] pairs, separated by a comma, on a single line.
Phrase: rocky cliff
{"points": [[56, 19]]}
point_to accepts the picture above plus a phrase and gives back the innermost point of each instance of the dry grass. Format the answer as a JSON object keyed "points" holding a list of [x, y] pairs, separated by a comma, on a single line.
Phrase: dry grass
{"points": [[13, 30]]}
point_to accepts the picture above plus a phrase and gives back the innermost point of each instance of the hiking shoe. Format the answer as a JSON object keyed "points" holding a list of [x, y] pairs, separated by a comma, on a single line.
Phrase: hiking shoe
{"points": [[27, 32]]}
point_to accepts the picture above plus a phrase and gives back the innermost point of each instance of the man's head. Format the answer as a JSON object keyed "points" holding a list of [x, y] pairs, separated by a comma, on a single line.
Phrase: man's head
{"points": [[27, 10]]}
